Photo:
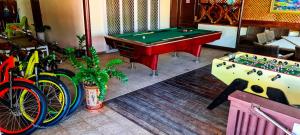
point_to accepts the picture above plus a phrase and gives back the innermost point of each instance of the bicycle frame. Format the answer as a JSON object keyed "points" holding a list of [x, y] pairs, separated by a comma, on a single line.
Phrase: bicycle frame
{"points": [[6, 75], [34, 59], [6, 66], [31, 69]]}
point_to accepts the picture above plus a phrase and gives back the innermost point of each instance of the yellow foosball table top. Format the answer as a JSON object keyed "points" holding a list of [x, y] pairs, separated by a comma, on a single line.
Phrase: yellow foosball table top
{"points": [[262, 73]]}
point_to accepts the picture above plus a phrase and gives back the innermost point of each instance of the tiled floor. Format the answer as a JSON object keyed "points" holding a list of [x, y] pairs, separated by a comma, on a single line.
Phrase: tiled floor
{"points": [[109, 122]]}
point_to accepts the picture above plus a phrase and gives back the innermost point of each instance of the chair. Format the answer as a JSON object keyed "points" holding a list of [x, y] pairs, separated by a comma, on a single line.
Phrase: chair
{"points": [[261, 38], [271, 51], [251, 34], [11, 27], [266, 50], [270, 35], [297, 53], [246, 41], [279, 32]]}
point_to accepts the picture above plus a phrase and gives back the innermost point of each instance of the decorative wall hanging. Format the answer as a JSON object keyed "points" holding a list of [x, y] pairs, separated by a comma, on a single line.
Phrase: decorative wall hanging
{"points": [[218, 12], [285, 6]]}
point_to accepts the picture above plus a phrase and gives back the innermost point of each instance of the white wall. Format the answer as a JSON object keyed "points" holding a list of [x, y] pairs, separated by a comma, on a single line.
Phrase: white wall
{"points": [[98, 23], [228, 38], [24, 8], [165, 7], [66, 19]]}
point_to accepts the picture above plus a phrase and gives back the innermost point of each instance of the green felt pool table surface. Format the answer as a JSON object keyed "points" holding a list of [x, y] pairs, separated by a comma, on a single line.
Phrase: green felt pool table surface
{"points": [[163, 35]]}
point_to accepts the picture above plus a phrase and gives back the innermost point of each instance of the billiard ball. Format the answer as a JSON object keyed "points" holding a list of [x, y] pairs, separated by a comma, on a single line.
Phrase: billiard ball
{"points": [[144, 37]]}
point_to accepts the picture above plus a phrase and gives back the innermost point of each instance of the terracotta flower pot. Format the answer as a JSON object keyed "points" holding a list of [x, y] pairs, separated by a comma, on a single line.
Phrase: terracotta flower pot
{"points": [[92, 102]]}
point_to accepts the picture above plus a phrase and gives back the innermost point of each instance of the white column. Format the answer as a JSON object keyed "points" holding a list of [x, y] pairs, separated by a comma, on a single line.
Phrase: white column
{"points": [[158, 14], [121, 16], [149, 14], [135, 15], [105, 18]]}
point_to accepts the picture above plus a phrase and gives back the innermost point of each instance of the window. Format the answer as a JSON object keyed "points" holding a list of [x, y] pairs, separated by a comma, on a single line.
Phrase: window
{"points": [[131, 15]]}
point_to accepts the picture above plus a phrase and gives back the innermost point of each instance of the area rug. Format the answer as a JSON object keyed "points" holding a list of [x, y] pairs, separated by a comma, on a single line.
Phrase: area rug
{"points": [[177, 105]]}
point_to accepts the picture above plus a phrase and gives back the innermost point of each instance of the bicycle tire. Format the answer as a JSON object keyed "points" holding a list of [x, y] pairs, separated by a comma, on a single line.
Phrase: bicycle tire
{"points": [[78, 91], [63, 98], [41, 107]]}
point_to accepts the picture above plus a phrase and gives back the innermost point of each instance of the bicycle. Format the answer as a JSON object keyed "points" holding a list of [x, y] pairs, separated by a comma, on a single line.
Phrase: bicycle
{"points": [[50, 64], [12, 121], [57, 94]]}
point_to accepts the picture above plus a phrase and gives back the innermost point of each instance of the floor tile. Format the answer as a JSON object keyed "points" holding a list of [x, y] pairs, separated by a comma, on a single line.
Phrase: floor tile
{"points": [[107, 121]]}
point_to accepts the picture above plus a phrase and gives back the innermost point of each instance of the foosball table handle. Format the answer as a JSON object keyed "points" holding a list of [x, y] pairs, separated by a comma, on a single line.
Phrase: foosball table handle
{"points": [[221, 64], [252, 71], [259, 73], [276, 77], [231, 66]]}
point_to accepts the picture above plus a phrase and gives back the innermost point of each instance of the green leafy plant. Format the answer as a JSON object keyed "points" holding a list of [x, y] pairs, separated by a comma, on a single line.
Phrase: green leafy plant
{"points": [[91, 73], [81, 41]]}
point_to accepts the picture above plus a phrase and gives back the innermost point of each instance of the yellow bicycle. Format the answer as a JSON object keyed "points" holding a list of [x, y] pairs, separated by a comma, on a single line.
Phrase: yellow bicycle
{"points": [[56, 93]]}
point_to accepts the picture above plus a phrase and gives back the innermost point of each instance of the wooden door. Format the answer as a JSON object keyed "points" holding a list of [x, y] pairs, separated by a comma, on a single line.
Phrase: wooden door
{"points": [[187, 13], [182, 13]]}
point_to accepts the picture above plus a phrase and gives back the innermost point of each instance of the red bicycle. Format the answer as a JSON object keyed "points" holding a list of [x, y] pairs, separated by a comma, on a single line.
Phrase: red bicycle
{"points": [[12, 106]]}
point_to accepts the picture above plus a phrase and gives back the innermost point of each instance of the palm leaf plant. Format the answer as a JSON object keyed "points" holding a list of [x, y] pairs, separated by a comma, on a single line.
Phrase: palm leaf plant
{"points": [[80, 51], [91, 73], [81, 41]]}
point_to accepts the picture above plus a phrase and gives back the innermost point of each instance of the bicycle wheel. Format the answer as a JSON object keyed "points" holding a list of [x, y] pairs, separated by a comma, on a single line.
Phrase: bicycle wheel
{"points": [[76, 89], [12, 121], [57, 98]]}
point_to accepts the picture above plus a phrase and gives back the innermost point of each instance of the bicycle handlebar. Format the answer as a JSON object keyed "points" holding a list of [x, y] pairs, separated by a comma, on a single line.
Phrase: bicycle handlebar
{"points": [[53, 45], [28, 34], [15, 49], [3, 36]]}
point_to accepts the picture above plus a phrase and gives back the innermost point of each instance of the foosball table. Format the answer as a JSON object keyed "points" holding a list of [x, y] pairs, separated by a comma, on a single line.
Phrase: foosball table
{"points": [[272, 78]]}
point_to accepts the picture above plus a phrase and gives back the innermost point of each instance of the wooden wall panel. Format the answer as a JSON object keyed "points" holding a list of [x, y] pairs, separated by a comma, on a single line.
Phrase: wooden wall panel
{"points": [[256, 12], [174, 13]]}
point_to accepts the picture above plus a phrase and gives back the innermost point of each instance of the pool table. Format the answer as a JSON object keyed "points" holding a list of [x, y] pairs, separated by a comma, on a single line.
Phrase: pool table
{"points": [[144, 47]]}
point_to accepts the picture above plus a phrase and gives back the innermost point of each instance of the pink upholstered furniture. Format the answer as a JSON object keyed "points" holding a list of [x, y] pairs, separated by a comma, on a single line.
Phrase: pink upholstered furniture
{"points": [[245, 120]]}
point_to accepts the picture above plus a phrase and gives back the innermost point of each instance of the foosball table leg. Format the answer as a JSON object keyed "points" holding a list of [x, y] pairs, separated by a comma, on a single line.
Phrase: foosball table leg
{"points": [[277, 95], [237, 84]]}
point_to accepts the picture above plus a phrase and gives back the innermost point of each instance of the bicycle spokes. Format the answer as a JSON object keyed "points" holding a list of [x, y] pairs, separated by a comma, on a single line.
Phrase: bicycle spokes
{"points": [[55, 99], [12, 117]]}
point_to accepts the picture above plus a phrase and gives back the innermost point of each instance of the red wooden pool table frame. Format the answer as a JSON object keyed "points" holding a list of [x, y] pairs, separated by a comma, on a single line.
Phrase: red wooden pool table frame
{"points": [[147, 54]]}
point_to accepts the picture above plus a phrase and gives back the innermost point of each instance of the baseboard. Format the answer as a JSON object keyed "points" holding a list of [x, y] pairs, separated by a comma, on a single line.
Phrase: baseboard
{"points": [[221, 48], [112, 51]]}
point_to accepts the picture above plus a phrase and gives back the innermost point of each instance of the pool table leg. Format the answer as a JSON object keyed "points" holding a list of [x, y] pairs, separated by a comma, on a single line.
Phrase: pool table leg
{"points": [[149, 61], [154, 73], [175, 55], [197, 60], [132, 65]]}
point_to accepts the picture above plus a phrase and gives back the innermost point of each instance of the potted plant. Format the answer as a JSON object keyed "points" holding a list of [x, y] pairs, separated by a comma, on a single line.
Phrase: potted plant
{"points": [[95, 77], [80, 51]]}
